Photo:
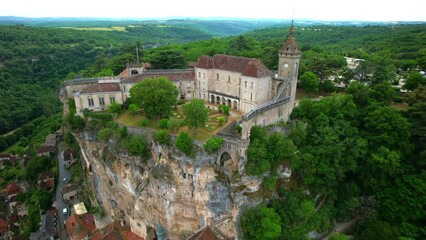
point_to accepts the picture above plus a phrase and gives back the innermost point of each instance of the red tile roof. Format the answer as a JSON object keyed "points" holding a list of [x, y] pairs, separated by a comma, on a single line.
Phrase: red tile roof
{"points": [[47, 184], [69, 188], [5, 155], [69, 154], [250, 67], [102, 87], [46, 149], [46, 176], [12, 188], [172, 75], [80, 226], [3, 226], [204, 234], [124, 73]]}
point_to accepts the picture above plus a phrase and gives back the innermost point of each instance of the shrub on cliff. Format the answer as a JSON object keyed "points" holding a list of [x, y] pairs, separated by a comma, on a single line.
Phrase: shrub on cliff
{"points": [[213, 144], [184, 143], [162, 137], [136, 144]]}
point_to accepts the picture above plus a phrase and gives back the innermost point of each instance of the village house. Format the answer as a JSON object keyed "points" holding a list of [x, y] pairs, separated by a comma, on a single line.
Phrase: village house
{"points": [[22, 210], [80, 227], [12, 190], [69, 192], [70, 157], [48, 226], [46, 151], [3, 228], [46, 181]]}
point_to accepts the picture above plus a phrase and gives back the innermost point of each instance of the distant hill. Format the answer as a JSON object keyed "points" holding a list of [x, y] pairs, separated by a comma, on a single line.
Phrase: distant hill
{"points": [[216, 28]]}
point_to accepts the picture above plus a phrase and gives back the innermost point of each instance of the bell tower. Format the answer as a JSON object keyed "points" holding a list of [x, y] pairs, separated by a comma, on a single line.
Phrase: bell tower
{"points": [[288, 64]]}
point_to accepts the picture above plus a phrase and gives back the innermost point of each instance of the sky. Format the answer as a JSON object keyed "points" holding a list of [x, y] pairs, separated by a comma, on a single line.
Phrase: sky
{"points": [[325, 10]]}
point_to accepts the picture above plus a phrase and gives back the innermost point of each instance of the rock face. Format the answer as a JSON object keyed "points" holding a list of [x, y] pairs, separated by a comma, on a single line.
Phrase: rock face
{"points": [[182, 193]]}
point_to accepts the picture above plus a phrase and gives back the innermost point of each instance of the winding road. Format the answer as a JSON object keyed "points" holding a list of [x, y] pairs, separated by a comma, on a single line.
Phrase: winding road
{"points": [[59, 202]]}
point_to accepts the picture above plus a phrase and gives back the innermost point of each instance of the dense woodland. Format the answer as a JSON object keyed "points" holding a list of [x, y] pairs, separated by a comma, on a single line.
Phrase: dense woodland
{"points": [[352, 155]]}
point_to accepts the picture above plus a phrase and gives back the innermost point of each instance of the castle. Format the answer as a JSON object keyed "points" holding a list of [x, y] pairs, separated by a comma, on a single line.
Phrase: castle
{"points": [[244, 84], [197, 198]]}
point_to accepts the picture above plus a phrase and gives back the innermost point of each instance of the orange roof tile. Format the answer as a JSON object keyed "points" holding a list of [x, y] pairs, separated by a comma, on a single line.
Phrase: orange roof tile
{"points": [[101, 87], [250, 67], [172, 75]]}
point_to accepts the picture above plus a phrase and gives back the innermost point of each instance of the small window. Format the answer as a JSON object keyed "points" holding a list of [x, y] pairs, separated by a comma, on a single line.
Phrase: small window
{"points": [[204, 75], [199, 75], [111, 99], [252, 85], [217, 76], [245, 84], [91, 103], [251, 96], [229, 79], [139, 225], [101, 101], [124, 87], [239, 81]]}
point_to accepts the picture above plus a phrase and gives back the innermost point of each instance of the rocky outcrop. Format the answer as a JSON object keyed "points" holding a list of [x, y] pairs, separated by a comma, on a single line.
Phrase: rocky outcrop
{"points": [[182, 193]]}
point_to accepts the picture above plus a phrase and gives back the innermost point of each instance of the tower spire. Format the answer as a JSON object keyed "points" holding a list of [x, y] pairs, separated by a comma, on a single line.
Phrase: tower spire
{"points": [[291, 31]]}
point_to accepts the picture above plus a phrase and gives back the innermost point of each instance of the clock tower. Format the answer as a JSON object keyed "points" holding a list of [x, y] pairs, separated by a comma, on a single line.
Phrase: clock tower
{"points": [[288, 64]]}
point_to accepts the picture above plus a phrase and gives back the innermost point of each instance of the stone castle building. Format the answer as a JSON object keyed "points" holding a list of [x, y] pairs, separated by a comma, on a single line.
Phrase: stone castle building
{"points": [[195, 198], [244, 84]]}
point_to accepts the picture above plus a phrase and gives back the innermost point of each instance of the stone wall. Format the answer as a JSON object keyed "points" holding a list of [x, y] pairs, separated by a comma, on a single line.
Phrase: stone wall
{"points": [[181, 192]]}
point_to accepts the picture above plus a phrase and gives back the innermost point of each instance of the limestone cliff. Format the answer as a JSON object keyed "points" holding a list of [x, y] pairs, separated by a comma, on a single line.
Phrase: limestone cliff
{"points": [[182, 193]]}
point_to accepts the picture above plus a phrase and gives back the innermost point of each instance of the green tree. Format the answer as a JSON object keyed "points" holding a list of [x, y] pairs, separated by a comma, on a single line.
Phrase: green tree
{"points": [[136, 144], [378, 230], [257, 158], [260, 223], [173, 124], [155, 95], [162, 137], [44, 199], [114, 107], [168, 59], [196, 113], [184, 143], [133, 108], [339, 236], [359, 92], [309, 82], [382, 92], [328, 86], [104, 134], [213, 144], [414, 80]]}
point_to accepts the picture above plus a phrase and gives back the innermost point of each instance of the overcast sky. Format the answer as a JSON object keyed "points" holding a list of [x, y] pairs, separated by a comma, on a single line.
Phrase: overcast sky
{"points": [[361, 10]]}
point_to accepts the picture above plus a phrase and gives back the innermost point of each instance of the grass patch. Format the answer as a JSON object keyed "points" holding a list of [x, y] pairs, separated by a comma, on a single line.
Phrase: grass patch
{"points": [[399, 106], [114, 28], [204, 133], [15, 148]]}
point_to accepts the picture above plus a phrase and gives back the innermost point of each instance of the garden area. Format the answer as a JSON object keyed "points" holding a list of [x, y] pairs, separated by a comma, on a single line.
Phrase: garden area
{"points": [[177, 122]]}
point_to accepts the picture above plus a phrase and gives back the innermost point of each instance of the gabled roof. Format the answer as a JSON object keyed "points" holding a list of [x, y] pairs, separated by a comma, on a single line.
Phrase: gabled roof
{"points": [[47, 184], [46, 149], [3, 226], [80, 226], [46, 176], [69, 188], [250, 67], [69, 154], [12, 188], [204, 234], [5, 155], [170, 74], [101, 87]]}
